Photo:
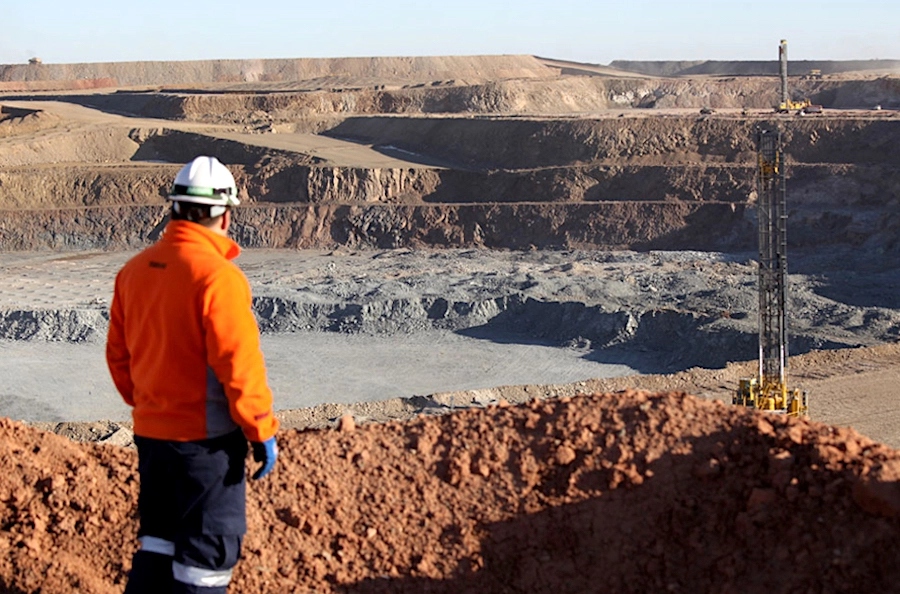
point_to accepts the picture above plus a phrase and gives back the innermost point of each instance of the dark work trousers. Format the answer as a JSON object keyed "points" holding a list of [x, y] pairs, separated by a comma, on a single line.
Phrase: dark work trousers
{"points": [[192, 508]]}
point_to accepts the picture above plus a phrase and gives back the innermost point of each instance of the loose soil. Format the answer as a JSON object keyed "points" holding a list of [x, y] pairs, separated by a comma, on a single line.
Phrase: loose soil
{"points": [[627, 492]]}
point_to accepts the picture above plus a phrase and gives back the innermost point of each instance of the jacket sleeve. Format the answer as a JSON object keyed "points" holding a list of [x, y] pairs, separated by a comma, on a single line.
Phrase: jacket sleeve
{"points": [[118, 359], [234, 354]]}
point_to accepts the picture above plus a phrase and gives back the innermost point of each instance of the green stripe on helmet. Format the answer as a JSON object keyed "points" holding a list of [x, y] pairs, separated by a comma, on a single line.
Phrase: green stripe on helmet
{"points": [[195, 191]]}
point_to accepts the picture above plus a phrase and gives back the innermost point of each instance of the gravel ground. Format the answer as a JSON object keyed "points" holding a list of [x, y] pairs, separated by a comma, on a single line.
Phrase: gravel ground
{"points": [[346, 327], [60, 381]]}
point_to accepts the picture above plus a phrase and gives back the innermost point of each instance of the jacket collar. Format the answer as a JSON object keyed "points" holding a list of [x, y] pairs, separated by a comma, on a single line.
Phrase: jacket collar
{"points": [[188, 232]]}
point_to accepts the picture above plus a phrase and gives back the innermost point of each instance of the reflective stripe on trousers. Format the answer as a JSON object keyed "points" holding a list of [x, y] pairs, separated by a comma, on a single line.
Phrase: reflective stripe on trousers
{"points": [[186, 574], [197, 576], [154, 544]]}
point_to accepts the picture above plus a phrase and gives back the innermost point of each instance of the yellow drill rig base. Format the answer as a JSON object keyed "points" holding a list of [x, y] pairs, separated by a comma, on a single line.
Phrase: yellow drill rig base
{"points": [[771, 397]]}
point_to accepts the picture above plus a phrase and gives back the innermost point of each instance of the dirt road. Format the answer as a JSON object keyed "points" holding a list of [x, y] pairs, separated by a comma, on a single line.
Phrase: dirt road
{"points": [[327, 150]]}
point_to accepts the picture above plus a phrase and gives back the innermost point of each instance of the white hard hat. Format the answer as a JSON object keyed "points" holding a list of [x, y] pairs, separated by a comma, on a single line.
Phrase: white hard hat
{"points": [[205, 181]]}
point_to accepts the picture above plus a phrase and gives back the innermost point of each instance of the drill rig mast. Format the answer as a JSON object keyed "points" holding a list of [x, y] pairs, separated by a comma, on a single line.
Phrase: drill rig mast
{"points": [[768, 391], [783, 72], [804, 106]]}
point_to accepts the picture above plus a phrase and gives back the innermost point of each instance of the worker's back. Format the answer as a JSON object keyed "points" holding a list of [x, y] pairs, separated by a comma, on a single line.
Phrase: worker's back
{"points": [[182, 310]]}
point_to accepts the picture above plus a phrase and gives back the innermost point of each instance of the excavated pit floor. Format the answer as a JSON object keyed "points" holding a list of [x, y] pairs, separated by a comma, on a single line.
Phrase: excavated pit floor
{"points": [[345, 327], [57, 382]]}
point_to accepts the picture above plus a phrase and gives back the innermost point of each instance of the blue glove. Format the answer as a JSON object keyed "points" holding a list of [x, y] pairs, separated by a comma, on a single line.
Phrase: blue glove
{"points": [[265, 452]]}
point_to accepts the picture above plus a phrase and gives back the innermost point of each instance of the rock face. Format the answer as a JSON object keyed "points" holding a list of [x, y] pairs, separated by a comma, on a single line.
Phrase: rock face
{"points": [[613, 183], [626, 492]]}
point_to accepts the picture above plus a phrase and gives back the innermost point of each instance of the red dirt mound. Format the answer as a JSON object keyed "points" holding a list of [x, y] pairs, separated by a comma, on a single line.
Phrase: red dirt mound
{"points": [[627, 492], [67, 523]]}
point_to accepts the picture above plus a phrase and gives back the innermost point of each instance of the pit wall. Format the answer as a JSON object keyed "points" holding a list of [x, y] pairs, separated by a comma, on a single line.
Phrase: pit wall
{"points": [[428, 68], [641, 183], [700, 207], [477, 144], [638, 226], [553, 185], [812, 186], [567, 95], [512, 143], [510, 315], [516, 226], [488, 144], [559, 96]]}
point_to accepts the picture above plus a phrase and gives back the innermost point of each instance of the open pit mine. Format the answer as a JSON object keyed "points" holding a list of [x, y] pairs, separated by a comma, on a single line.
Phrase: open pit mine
{"points": [[527, 286]]}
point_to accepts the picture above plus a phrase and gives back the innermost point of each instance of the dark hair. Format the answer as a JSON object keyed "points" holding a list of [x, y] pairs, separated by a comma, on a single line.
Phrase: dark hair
{"points": [[189, 211]]}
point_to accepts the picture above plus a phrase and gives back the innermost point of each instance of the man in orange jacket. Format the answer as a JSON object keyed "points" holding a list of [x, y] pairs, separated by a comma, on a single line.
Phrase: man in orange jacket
{"points": [[183, 350]]}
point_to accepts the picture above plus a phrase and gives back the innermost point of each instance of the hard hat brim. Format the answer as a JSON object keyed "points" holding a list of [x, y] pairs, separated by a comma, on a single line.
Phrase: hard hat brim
{"points": [[207, 200]]}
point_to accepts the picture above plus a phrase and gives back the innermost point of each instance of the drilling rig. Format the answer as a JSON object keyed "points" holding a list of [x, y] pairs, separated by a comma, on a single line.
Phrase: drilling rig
{"points": [[768, 391], [787, 105]]}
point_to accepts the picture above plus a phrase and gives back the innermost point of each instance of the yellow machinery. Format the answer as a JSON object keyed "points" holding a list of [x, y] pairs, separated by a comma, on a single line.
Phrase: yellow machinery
{"points": [[804, 107], [787, 105], [792, 106], [768, 391], [771, 398]]}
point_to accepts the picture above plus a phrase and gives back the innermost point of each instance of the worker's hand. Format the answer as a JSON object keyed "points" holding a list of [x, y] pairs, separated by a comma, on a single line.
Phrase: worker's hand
{"points": [[265, 452]]}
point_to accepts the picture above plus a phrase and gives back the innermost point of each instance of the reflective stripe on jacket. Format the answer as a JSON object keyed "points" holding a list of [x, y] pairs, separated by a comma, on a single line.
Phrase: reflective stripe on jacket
{"points": [[183, 345]]}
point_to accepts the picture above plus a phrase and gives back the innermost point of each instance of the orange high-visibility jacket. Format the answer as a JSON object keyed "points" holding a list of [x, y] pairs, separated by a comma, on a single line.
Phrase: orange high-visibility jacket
{"points": [[183, 345]]}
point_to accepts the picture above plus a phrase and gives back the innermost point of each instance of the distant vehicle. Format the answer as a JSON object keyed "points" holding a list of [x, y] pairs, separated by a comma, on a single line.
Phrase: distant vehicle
{"points": [[707, 110], [34, 60], [793, 106], [804, 107], [814, 74]]}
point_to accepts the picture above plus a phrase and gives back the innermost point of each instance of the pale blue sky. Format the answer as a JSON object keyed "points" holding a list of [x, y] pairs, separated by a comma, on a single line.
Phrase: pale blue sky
{"points": [[595, 31]]}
